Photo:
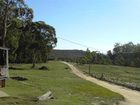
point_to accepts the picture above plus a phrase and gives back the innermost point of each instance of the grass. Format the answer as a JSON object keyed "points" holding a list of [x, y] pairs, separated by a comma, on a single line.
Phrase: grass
{"points": [[126, 76], [67, 88]]}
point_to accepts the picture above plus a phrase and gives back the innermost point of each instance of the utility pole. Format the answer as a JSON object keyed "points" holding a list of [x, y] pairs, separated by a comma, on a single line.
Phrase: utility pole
{"points": [[89, 67]]}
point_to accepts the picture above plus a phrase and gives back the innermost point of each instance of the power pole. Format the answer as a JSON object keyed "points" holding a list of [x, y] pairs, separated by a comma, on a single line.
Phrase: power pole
{"points": [[89, 68]]}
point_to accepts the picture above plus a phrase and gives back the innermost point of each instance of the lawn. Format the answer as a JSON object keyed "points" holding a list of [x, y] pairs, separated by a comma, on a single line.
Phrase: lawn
{"points": [[126, 76], [66, 88]]}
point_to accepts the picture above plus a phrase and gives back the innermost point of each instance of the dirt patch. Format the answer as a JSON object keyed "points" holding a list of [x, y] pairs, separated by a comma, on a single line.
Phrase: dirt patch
{"points": [[3, 94], [43, 68]]}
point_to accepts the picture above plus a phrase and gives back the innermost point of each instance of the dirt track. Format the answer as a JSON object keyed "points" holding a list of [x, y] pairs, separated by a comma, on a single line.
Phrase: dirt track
{"points": [[132, 97]]}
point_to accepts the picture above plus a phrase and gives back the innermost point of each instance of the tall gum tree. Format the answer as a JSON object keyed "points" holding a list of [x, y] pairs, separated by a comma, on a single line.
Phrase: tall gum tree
{"points": [[43, 40], [9, 11]]}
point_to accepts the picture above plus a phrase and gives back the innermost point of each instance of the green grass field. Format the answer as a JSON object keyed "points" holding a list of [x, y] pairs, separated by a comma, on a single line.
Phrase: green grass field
{"points": [[127, 76], [67, 88]]}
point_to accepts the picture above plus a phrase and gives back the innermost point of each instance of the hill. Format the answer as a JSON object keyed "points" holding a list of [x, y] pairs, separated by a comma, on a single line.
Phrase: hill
{"points": [[66, 54]]}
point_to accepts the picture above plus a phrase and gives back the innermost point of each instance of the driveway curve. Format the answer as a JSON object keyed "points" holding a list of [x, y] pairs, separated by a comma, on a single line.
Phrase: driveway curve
{"points": [[132, 97]]}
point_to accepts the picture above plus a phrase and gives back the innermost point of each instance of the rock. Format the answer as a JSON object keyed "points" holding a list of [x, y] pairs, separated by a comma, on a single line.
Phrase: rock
{"points": [[46, 96]]}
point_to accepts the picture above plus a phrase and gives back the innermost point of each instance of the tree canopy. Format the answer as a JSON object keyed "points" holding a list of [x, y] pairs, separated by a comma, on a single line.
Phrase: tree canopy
{"points": [[10, 10], [123, 54], [28, 41]]}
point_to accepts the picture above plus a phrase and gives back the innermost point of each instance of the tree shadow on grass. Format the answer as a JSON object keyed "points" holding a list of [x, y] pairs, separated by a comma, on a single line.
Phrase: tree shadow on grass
{"points": [[18, 78]]}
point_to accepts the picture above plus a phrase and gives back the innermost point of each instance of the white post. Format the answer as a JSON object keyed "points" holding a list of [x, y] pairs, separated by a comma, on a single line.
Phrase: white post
{"points": [[7, 59], [7, 63]]}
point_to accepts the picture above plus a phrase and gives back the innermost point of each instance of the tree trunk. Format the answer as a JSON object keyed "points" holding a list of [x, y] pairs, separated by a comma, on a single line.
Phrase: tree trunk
{"points": [[33, 66], [3, 35], [4, 31], [34, 60]]}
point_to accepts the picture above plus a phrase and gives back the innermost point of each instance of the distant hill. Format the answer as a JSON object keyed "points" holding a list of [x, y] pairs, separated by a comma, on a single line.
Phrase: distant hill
{"points": [[66, 54]]}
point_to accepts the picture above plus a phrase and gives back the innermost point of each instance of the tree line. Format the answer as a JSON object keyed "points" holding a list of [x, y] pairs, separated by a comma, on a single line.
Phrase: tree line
{"points": [[29, 42], [122, 54]]}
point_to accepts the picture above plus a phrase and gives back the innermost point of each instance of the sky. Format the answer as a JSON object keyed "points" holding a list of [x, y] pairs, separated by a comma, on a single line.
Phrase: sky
{"points": [[93, 24]]}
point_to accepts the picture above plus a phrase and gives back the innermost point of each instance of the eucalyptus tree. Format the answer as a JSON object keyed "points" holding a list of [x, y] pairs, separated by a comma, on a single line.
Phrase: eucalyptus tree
{"points": [[38, 40], [14, 33], [11, 10], [43, 40]]}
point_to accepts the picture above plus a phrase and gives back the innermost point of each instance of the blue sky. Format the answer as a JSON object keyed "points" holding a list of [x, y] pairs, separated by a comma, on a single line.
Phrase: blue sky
{"points": [[98, 24]]}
